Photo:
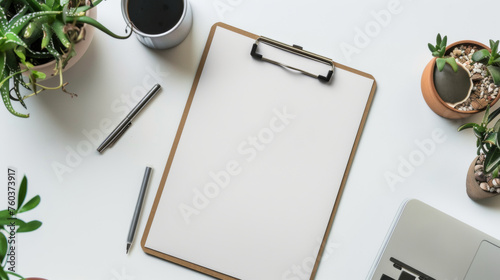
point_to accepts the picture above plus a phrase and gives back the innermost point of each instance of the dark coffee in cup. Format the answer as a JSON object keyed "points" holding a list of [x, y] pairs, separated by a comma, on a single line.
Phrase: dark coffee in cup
{"points": [[159, 24], [155, 16]]}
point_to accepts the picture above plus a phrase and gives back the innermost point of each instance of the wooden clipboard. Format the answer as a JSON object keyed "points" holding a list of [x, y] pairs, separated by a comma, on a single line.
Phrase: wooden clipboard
{"points": [[259, 162]]}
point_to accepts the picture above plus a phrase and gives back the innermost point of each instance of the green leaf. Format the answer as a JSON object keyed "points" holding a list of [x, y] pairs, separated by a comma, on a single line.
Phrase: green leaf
{"points": [[3, 22], [34, 5], [431, 47], [493, 114], [494, 46], [3, 65], [30, 226], [438, 39], [486, 115], [444, 42], [4, 214], [47, 35], [491, 138], [30, 204], [465, 126], [496, 60], [19, 51], [3, 275], [96, 24], [38, 74], [58, 28], [13, 40], [480, 55], [23, 189], [492, 160], [9, 221], [440, 62], [4, 91], [3, 247], [453, 63], [18, 25], [497, 143], [20, 14], [479, 131], [495, 172], [442, 51], [495, 73]]}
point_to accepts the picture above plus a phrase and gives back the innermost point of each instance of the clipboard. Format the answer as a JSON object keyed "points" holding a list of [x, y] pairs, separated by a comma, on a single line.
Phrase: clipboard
{"points": [[260, 160]]}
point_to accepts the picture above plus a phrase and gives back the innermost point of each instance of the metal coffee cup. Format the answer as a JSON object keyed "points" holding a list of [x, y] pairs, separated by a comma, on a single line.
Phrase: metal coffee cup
{"points": [[166, 39]]}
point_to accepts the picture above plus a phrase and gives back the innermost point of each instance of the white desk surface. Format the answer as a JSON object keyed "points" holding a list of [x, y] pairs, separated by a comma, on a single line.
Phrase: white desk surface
{"points": [[86, 211]]}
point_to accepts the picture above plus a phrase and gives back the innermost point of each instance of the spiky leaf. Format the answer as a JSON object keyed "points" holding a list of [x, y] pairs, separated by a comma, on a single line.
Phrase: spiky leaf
{"points": [[4, 90]]}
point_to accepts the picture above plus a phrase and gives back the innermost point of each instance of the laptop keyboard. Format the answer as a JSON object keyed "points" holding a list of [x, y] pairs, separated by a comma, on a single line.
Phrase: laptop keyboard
{"points": [[407, 272]]}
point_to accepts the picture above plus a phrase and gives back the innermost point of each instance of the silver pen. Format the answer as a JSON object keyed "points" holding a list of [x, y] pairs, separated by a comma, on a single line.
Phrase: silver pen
{"points": [[138, 207], [127, 121]]}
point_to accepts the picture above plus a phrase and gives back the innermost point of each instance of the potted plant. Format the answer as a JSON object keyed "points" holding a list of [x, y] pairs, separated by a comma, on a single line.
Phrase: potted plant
{"points": [[457, 82], [483, 179], [10, 225], [34, 32]]}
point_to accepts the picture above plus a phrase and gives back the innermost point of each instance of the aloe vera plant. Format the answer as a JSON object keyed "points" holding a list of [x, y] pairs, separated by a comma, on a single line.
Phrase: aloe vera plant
{"points": [[491, 60], [36, 31], [488, 140]]}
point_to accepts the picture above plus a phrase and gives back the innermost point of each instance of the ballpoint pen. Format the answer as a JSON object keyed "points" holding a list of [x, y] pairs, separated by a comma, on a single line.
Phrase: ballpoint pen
{"points": [[127, 121], [138, 207]]}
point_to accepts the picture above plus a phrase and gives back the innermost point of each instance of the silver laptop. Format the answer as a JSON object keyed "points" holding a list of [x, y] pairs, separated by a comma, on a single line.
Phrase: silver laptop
{"points": [[427, 244]]}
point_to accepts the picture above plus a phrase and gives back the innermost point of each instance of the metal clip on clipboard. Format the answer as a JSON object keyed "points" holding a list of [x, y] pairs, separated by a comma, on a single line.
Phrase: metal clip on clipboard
{"points": [[295, 50]]}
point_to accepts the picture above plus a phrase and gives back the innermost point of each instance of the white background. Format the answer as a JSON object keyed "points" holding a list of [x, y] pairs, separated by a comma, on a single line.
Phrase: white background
{"points": [[86, 211]]}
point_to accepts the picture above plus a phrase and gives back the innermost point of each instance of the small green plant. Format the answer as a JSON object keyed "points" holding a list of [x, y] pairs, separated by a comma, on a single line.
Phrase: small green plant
{"points": [[491, 60], [439, 50], [488, 140], [33, 32], [9, 222]]}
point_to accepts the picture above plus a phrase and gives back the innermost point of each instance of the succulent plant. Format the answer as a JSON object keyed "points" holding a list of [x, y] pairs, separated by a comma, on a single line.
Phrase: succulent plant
{"points": [[491, 60], [33, 32], [488, 140], [439, 51]]}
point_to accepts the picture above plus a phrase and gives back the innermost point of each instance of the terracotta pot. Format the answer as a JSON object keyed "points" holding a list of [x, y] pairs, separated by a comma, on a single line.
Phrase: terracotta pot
{"points": [[80, 48], [430, 94], [473, 190]]}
